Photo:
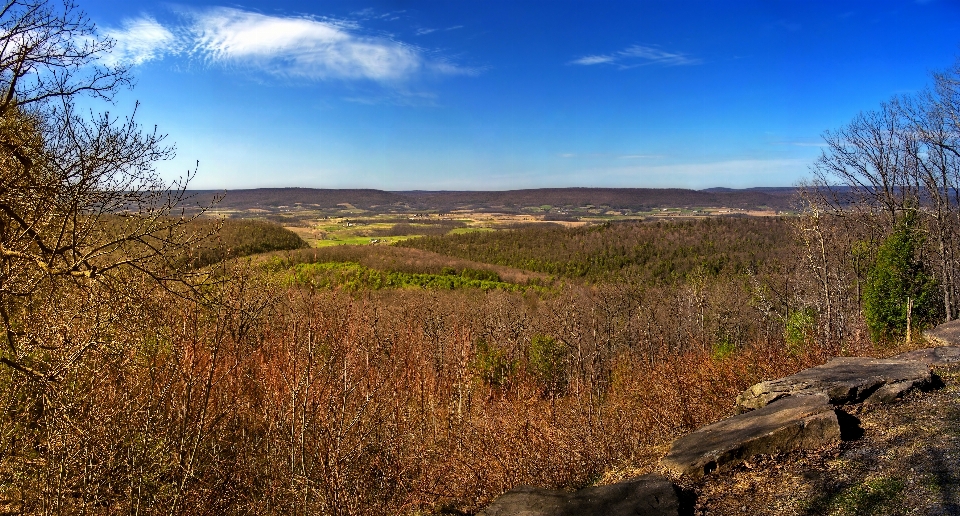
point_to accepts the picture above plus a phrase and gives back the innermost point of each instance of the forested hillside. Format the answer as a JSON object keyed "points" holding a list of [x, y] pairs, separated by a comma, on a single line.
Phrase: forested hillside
{"points": [[648, 253]]}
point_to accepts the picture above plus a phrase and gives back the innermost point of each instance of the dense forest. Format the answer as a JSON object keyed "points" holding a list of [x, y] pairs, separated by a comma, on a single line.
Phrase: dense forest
{"points": [[654, 253], [156, 361]]}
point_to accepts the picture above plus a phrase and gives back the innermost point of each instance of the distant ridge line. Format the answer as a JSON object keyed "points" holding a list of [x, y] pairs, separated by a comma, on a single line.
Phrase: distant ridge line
{"points": [[636, 199]]}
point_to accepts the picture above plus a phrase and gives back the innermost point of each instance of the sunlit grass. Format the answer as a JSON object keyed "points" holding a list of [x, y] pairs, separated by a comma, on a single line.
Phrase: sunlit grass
{"points": [[332, 240], [477, 229]]}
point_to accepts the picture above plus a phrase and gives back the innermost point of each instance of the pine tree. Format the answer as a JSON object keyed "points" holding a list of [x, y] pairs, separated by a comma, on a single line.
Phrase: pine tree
{"points": [[900, 287]]}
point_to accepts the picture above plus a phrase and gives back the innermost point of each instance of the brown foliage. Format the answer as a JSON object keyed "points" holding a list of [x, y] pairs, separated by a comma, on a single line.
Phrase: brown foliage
{"points": [[130, 387], [270, 400]]}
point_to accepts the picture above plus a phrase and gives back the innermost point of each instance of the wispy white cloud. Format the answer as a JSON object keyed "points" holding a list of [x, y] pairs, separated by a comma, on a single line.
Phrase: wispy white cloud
{"points": [[592, 60], [287, 46], [139, 40], [298, 47], [424, 31], [638, 55], [370, 13]]}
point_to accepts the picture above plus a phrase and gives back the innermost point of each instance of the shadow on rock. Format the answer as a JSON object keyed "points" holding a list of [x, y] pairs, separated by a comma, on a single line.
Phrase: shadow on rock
{"points": [[850, 429]]}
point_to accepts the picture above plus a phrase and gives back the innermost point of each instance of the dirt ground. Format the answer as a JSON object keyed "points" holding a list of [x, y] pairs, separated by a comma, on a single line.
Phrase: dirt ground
{"points": [[906, 462]]}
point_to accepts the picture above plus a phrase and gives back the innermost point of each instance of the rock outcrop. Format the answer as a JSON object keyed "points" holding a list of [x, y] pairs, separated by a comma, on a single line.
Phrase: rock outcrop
{"points": [[947, 334], [791, 413], [651, 495], [933, 356], [844, 380], [794, 423]]}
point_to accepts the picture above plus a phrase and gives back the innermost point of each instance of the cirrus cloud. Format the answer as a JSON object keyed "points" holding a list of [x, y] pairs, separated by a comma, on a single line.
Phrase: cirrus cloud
{"points": [[638, 55], [286, 46], [139, 40]]}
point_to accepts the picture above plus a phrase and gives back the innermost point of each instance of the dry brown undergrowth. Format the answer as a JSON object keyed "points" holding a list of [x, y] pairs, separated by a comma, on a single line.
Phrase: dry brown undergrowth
{"points": [[381, 403]]}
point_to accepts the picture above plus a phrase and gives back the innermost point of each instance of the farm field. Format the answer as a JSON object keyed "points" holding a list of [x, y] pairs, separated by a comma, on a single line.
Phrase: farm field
{"points": [[351, 226], [384, 229]]}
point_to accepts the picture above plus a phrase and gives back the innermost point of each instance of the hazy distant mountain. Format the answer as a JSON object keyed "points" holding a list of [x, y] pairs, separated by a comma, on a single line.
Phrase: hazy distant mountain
{"points": [[636, 199]]}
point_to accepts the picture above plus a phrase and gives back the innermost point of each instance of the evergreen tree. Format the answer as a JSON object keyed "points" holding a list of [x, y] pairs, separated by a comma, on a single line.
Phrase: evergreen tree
{"points": [[899, 285]]}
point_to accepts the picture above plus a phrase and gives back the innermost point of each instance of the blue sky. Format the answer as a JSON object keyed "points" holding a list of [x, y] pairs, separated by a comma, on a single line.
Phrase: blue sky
{"points": [[491, 95]]}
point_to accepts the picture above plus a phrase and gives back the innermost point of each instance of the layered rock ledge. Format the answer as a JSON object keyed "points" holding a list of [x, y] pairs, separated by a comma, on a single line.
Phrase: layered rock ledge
{"points": [[795, 423], [651, 495], [941, 356], [947, 334], [844, 380], [792, 413]]}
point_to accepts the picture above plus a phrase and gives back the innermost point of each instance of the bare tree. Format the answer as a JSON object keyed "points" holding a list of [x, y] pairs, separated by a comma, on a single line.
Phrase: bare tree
{"points": [[934, 153], [51, 50], [81, 205], [904, 157], [865, 167]]}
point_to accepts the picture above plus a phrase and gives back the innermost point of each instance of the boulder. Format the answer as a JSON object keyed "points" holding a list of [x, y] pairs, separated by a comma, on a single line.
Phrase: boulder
{"points": [[844, 380], [946, 334], [941, 356], [795, 423], [651, 494]]}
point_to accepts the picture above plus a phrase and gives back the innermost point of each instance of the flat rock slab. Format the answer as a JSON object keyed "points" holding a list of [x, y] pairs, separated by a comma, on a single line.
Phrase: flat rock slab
{"points": [[795, 423], [941, 356], [844, 380], [947, 334], [652, 495]]}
